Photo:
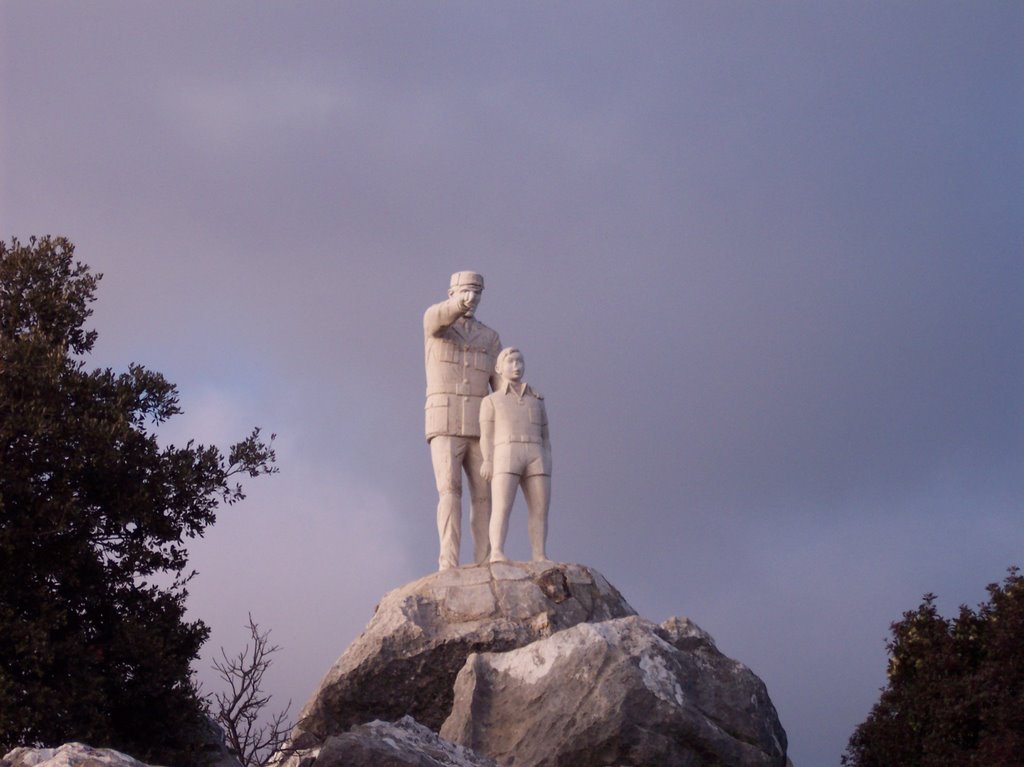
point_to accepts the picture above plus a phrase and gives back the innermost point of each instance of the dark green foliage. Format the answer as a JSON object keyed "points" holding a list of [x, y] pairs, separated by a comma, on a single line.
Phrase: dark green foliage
{"points": [[956, 688], [94, 514]]}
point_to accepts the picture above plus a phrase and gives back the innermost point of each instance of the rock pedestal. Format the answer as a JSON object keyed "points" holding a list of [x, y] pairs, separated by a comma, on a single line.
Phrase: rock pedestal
{"points": [[406, 660], [621, 687], [533, 665]]}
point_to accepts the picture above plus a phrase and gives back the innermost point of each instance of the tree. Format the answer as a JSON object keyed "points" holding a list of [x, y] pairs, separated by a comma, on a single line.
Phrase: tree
{"points": [[240, 708], [94, 514], [955, 693]]}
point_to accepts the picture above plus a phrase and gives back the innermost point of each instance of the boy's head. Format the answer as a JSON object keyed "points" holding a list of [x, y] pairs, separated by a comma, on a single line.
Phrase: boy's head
{"points": [[510, 364]]}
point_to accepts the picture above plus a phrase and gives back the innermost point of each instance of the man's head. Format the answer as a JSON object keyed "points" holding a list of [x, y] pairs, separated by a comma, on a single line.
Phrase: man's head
{"points": [[467, 288], [510, 364]]}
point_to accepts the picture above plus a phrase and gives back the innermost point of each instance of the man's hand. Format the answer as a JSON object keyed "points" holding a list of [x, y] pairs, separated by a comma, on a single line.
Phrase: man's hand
{"points": [[466, 300], [487, 470], [458, 306]]}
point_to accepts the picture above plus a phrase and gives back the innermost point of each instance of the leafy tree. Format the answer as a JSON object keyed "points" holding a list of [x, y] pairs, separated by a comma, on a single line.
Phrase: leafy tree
{"points": [[955, 694], [94, 644]]}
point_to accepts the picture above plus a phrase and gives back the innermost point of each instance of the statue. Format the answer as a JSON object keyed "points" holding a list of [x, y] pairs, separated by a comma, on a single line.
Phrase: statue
{"points": [[517, 452], [460, 356]]}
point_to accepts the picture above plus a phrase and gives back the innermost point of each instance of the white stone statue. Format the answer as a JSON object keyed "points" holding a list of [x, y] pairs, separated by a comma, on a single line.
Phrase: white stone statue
{"points": [[517, 452], [461, 353]]}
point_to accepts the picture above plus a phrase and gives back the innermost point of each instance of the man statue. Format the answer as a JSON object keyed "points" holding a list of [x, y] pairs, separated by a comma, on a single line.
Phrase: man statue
{"points": [[517, 451], [460, 358]]}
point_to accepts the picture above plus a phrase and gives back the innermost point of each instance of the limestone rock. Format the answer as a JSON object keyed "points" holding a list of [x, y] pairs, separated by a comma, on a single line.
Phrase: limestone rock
{"points": [[405, 743], [68, 755], [406, 660], [624, 691]]}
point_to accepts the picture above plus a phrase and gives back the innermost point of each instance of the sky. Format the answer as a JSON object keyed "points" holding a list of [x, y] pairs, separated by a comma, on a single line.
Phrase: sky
{"points": [[765, 261]]}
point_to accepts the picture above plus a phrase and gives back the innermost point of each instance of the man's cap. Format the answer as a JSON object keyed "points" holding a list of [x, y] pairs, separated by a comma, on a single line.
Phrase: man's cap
{"points": [[467, 278]]}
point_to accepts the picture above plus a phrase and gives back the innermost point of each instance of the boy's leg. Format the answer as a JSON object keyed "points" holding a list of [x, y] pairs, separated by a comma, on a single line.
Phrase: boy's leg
{"points": [[537, 490], [503, 493]]}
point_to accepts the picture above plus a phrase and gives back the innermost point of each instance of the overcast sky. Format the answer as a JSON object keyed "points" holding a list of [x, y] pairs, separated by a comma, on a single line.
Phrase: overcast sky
{"points": [[764, 260]]}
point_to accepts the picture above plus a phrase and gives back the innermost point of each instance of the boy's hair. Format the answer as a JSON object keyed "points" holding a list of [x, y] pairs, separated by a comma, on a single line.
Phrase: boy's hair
{"points": [[503, 354]]}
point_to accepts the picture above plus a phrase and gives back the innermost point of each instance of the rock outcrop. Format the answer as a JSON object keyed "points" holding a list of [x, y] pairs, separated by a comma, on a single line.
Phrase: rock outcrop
{"points": [[516, 665], [406, 661], [405, 743], [68, 755], [622, 691], [532, 665]]}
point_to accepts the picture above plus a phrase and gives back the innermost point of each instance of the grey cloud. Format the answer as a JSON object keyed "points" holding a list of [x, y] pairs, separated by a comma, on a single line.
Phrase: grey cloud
{"points": [[763, 263]]}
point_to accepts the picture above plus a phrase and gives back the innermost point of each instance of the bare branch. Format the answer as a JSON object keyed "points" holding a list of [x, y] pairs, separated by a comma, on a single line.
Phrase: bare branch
{"points": [[251, 734]]}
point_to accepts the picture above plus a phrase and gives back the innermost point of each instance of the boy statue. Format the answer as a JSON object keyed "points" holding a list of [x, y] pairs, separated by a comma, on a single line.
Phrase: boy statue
{"points": [[516, 452]]}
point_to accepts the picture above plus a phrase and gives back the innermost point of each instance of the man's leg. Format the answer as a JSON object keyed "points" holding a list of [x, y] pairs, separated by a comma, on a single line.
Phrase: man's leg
{"points": [[503, 493], [537, 490], [446, 455], [479, 502]]}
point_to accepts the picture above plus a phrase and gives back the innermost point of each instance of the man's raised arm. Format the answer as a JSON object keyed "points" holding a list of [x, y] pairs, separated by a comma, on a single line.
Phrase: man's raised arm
{"points": [[439, 317]]}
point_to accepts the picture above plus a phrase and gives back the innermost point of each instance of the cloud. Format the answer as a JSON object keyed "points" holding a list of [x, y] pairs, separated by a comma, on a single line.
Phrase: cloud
{"points": [[764, 265], [308, 554], [252, 112]]}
